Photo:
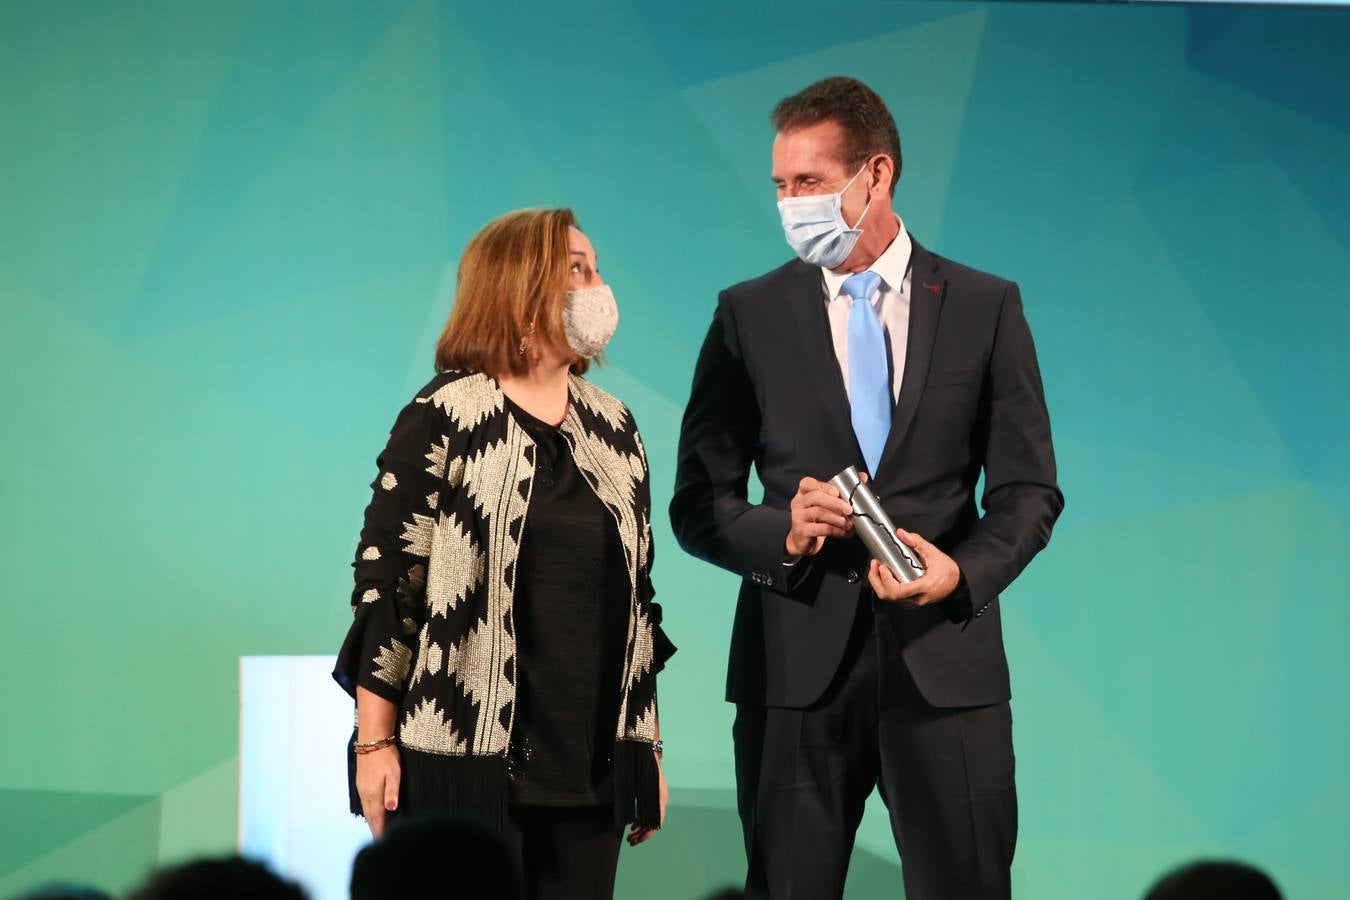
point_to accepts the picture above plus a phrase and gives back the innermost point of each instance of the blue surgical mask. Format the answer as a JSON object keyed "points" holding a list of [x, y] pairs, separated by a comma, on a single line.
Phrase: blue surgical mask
{"points": [[815, 228]]}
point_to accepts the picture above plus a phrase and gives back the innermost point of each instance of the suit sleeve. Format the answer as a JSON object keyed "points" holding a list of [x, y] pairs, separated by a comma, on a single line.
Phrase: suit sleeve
{"points": [[1021, 498], [388, 596], [710, 511]]}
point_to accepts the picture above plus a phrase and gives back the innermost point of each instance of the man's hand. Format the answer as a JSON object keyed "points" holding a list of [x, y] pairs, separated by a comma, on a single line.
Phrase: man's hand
{"points": [[818, 512], [937, 583]]}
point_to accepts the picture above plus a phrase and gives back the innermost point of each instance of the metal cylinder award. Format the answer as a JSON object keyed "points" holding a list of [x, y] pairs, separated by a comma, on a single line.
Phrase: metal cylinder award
{"points": [[875, 527]]}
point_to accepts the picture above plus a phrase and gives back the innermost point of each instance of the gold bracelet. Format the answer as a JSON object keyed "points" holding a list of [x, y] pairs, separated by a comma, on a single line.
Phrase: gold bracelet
{"points": [[381, 741], [372, 746]]}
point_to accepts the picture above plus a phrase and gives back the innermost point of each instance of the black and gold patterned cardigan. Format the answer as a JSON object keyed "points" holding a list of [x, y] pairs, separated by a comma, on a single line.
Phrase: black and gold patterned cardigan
{"points": [[433, 630]]}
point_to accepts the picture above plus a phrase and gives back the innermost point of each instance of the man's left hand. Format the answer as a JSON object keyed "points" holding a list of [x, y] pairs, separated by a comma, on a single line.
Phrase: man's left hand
{"points": [[939, 580]]}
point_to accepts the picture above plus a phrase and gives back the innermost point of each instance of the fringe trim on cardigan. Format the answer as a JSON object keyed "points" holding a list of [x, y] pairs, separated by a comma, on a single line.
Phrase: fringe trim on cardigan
{"points": [[465, 785], [472, 786], [637, 785], [353, 798], [479, 786]]}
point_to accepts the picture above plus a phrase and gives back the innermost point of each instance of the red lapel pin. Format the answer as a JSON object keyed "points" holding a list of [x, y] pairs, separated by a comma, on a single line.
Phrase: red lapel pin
{"points": [[935, 288]]}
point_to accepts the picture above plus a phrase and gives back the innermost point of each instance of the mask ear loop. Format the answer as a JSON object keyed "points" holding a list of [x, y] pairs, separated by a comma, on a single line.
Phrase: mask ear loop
{"points": [[869, 198]]}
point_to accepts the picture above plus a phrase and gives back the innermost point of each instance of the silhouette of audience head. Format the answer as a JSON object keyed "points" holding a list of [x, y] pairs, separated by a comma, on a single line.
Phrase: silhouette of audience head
{"points": [[1215, 880], [63, 891], [207, 879], [425, 857]]}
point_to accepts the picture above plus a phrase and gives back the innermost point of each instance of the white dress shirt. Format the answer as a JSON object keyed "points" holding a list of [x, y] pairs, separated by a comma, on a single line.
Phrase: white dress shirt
{"points": [[890, 300]]}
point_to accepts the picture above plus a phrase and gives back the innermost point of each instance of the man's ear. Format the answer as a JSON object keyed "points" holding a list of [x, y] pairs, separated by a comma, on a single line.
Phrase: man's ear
{"points": [[883, 171]]}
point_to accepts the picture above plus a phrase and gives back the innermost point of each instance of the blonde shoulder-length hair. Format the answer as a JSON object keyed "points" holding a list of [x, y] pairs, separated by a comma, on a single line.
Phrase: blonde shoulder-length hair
{"points": [[513, 278]]}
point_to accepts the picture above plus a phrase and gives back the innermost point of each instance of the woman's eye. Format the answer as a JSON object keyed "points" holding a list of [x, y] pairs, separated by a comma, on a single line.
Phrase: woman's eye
{"points": [[576, 268]]}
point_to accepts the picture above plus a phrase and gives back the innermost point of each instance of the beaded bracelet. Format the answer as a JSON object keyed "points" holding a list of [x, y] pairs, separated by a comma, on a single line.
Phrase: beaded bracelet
{"points": [[360, 747]]}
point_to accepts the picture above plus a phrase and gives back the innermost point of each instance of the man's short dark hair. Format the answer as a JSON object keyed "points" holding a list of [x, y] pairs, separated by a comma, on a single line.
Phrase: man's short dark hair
{"points": [[868, 126]]}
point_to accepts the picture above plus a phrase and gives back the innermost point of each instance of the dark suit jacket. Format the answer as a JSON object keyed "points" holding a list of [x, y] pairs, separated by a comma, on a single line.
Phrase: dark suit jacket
{"points": [[768, 391]]}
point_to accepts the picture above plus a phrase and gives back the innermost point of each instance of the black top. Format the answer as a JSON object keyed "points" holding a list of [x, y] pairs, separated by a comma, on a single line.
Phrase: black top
{"points": [[571, 615]]}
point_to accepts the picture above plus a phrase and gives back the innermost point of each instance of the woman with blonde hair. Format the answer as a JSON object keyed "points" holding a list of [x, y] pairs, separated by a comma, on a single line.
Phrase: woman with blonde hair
{"points": [[505, 646]]}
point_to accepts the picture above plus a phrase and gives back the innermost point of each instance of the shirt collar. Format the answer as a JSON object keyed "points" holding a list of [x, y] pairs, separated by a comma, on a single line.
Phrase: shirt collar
{"points": [[891, 265]]}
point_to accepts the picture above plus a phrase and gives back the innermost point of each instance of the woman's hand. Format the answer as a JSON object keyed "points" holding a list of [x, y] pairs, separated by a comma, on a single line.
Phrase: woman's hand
{"points": [[637, 834], [378, 772], [377, 778]]}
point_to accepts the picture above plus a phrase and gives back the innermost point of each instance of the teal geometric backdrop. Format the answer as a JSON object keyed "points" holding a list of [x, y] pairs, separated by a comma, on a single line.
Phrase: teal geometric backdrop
{"points": [[228, 237]]}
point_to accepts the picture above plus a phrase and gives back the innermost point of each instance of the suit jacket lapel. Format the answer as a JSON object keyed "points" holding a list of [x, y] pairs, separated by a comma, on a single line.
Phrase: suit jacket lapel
{"points": [[813, 326], [927, 290]]}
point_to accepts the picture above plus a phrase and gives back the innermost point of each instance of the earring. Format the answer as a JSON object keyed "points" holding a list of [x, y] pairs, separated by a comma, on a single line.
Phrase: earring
{"points": [[525, 340]]}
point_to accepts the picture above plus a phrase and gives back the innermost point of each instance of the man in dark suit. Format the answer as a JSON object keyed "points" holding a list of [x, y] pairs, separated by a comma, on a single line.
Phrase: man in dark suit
{"points": [[867, 350]]}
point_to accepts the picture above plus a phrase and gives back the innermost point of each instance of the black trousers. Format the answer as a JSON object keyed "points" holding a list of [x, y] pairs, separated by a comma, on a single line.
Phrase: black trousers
{"points": [[946, 776], [566, 853]]}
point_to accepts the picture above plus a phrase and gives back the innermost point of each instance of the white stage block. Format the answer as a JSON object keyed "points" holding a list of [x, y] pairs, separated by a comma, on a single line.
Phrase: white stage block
{"points": [[294, 722]]}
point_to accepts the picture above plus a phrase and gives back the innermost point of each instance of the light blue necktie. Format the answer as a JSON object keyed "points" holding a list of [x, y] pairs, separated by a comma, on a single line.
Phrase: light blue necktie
{"points": [[869, 381]]}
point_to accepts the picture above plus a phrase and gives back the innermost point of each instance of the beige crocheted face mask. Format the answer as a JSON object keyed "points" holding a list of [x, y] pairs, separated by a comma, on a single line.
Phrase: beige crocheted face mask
{"points": [[590, 316]]}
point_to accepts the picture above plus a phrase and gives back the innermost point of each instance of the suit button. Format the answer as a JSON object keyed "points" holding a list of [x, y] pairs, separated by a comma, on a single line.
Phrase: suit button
{"points": [[852, 576]]}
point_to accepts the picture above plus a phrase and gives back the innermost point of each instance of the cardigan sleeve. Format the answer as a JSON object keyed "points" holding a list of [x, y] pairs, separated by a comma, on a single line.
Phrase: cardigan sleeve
{"points": [[662, 647], [389, 595]]}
